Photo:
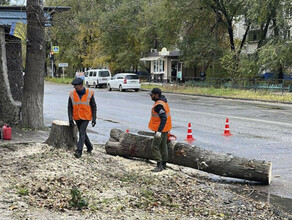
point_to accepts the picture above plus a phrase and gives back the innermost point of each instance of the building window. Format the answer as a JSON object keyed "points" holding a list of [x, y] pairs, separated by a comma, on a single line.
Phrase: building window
{"points": [[254, 35], [158, 66]]}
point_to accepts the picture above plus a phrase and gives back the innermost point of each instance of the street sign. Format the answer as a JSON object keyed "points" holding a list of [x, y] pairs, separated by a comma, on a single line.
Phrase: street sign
{"points": [[63, 64], [56, 49]]}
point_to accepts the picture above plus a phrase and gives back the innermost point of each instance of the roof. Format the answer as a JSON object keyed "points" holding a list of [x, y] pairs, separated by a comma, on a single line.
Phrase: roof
{"points": [[11, 14], [174, 53], [98, 69], [150, 58], [156, 55]]}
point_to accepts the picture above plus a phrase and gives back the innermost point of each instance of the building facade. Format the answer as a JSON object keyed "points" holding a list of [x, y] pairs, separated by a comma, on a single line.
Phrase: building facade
{"points": [[167, 66]]}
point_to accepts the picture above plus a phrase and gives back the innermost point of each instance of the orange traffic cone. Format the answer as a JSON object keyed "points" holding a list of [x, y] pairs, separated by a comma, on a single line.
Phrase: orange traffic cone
{"points": [[227, 131], [190, 134]]}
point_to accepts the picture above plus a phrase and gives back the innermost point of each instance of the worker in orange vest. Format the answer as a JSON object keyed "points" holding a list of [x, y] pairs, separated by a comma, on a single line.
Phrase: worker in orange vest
{"points": [[81, 109], [160, 123]]}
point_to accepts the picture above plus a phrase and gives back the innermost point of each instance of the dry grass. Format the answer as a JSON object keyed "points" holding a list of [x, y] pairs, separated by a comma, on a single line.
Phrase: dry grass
{"points": [[59, 80]]}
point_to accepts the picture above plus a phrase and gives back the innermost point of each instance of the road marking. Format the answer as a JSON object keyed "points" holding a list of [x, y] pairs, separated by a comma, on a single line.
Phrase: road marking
{"points": [[235, 117]]}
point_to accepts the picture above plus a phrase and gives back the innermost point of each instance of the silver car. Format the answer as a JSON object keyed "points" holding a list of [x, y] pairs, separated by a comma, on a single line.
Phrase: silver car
{"points": [[124, 81]]}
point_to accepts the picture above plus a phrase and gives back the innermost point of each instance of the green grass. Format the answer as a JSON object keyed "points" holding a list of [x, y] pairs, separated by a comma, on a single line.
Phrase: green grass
{"points": [[77, 200], [22, 191], [59, 80], [261, 95]]}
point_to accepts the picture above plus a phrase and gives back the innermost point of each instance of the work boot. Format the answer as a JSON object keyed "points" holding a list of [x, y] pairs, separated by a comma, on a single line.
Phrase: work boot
{"points": [[77, 154], [164, 165], [158, 168], [89, 150]]}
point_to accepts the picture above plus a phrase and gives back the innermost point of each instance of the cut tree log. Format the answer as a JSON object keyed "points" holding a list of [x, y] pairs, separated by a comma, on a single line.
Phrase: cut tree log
{"points": [[62, 135], [132, 145]]}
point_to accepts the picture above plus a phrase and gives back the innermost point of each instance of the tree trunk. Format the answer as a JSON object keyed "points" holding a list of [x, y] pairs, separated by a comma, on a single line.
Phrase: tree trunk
{"points": [[9, 108], [131, 145], [62, 135], [244, 38], [230, 33], [33, 91]]}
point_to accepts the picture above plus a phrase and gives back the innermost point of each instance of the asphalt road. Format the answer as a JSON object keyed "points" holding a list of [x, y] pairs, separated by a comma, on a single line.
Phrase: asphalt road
{"points": [[259, 130]]}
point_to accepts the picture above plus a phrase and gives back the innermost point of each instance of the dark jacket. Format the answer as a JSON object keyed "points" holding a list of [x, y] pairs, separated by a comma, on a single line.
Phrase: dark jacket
{"points": [[92, 106], [159, 109]]}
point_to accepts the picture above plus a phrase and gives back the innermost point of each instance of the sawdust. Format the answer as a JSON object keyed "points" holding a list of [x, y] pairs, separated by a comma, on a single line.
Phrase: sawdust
{"points": [[36, 182]]}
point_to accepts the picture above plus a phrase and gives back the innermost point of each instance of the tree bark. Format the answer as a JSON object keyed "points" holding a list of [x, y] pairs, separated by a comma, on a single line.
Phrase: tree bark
{"points": [[131, 145], [33, 91], [62, 135], [9, 108]]}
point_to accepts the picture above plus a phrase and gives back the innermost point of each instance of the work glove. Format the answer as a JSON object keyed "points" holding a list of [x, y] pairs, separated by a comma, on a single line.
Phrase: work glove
{"points": [[93, 123], [71, 123], [158, 134]]}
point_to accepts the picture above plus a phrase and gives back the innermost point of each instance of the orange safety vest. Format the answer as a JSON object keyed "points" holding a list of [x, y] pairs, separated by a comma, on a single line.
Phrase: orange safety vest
{"points": [[155, 119], [81, 108]]}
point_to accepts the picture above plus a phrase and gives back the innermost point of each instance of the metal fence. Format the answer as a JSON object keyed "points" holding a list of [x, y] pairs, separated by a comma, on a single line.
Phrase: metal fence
{"points": [[254, 84]]}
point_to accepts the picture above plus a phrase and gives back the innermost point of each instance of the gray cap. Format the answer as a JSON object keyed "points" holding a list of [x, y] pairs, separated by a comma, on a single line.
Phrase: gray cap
{"points": [[77, 81]]}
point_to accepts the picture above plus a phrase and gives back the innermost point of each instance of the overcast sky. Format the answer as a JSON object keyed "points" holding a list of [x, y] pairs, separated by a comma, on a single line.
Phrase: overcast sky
{"points": [[18, 2]]}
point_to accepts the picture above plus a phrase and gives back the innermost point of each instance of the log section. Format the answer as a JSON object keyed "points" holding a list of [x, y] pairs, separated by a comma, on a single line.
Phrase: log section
{"points": [[132, 145]]}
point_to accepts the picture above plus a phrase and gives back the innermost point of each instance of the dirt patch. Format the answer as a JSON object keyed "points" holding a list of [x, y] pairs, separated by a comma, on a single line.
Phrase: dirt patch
{"points": [[40, 182]]}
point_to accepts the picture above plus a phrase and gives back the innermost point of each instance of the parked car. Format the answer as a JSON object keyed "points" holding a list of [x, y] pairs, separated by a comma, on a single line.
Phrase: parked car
{"points": [[80, 75], [269, 75], [97, 77], [124, 81]]}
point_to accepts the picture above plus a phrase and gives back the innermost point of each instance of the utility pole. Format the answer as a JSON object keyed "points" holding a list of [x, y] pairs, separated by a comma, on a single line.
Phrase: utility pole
{"points": [[52, 59]]}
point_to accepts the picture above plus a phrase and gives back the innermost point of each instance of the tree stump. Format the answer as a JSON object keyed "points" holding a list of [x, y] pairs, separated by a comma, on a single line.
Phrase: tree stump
{"points": [[62, 135], [132, 145]]}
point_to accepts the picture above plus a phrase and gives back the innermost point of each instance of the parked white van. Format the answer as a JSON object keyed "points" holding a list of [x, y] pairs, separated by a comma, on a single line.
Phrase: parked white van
{"points": [[97, 77]]}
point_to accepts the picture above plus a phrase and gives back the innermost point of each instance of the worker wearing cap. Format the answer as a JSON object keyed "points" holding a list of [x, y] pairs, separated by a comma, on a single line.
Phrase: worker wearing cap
{"points": [[82, 109], [160, 123]]}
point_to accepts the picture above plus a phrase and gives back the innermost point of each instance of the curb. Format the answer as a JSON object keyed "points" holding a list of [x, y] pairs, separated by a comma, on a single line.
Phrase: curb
{"points": [[223, 97]]}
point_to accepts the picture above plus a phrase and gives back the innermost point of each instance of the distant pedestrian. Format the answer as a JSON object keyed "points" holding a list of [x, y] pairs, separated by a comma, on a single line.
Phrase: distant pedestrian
{"points": [[81, 109], [203, 76], [160, 123], [173, 74]]}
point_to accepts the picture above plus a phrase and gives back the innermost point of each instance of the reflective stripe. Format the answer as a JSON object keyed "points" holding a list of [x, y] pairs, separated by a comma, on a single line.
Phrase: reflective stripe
{"points": [[157, 115], [88, 96], [84, 103], [72, 98], [79, 102], [81, 106], [159, 102], [155, 118]]}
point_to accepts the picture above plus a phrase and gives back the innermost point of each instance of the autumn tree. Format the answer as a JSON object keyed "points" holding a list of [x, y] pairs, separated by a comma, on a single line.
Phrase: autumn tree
{"points": [[119, 32], [271, 24], [65, 31], [4, 2]]}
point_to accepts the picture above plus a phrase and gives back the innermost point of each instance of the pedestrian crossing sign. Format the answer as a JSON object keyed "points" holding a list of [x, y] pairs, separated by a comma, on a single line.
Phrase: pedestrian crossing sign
{"points": [[56, 49]]}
